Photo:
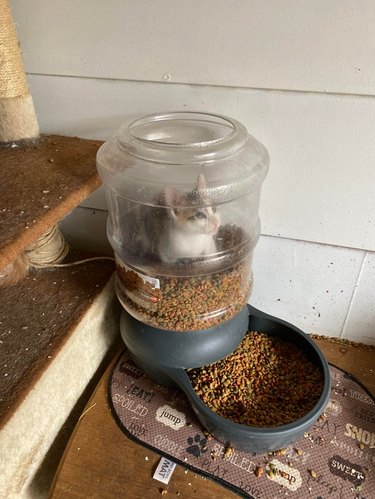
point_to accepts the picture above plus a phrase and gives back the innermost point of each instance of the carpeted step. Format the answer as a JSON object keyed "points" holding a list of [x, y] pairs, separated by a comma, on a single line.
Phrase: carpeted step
{"points": [[57, 324], [41, 182], [55, 328]]}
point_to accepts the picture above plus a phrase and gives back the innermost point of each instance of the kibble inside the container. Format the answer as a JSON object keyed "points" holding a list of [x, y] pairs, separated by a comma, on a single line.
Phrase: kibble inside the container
{"points": [[192, 302], [265, 382]]}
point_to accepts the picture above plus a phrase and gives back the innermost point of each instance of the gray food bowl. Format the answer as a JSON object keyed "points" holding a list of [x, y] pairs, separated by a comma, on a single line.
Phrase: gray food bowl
{"points": [[239, 436], [182, 349]]}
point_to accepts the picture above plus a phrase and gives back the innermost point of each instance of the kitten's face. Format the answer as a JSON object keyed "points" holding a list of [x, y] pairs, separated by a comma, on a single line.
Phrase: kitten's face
{"points": [[192, 212], [199, 220]]}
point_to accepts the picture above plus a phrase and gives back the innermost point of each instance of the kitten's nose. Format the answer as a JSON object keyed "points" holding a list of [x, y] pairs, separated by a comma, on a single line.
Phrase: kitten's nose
{"points": [[215, 227]]}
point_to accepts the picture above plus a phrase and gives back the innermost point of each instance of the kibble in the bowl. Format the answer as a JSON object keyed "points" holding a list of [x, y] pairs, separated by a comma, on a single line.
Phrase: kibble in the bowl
{"points": [[265, 382]]}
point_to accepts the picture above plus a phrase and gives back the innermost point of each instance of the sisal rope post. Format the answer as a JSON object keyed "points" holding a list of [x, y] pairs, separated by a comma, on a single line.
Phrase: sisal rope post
{"points": [[18, 119], [47, 252]]}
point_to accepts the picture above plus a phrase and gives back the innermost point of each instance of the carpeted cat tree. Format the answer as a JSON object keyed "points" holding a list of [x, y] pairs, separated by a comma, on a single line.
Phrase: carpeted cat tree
{"points": [[56, 323], [18, 118]]}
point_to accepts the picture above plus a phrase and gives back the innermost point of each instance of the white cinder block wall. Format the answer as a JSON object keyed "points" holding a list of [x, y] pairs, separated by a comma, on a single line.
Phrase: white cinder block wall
{"points": [[298, 74]]}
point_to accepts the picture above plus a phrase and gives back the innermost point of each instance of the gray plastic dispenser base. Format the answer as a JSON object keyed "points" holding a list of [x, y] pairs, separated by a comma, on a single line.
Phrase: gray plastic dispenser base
{"points": [[158, 356], [182, 349]]}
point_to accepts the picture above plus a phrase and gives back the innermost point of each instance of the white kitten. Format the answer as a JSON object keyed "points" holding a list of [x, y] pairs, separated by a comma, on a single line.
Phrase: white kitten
{"points": [[185, 228]]}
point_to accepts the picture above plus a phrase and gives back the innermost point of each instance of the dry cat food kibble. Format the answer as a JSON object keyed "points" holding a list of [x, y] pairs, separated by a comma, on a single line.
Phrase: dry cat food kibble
{"points": [[186, 302], [266, 382]]}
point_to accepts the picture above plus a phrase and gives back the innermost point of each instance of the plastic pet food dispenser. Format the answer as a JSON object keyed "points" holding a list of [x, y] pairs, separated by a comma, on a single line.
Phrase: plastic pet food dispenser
{"points": [[183, 193]]}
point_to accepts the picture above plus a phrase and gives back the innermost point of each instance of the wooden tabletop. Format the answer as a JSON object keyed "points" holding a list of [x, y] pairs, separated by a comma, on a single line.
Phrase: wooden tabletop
{"points": [[101, 462]]}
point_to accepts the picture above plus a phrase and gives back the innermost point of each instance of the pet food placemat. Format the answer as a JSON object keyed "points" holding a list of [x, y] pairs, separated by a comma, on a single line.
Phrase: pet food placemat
{"points": [[335, 459]]}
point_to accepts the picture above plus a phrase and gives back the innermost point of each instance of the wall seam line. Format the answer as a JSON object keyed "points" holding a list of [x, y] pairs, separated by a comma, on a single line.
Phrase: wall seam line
{"points": [[361, 270], [213, 85], [320, 243]]}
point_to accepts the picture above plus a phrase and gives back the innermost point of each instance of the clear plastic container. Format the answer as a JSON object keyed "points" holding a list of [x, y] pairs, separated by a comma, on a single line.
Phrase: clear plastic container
{"points": [[183, 194]]}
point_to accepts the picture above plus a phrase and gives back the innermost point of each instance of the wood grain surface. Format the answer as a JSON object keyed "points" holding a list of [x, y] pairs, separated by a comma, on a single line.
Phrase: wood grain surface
{"points": [[101, 462]]}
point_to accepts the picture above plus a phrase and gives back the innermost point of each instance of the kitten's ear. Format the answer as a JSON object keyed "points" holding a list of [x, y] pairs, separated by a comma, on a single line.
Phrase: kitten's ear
{"points": [[201, 182], [172, 196]]}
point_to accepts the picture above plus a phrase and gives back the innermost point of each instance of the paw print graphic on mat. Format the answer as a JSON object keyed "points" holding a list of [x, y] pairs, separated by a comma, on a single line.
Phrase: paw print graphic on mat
{"points": [[197, 445]]}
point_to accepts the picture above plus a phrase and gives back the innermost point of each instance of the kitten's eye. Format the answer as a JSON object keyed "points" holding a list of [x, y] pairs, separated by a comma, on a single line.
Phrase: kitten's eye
{"points": [[200, 215], [214, 209]]}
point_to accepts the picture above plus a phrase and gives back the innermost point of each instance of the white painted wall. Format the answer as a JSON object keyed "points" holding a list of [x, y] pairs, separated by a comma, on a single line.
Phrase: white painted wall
{"points": [[321, 181], [314, 265], [310, 45]]}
